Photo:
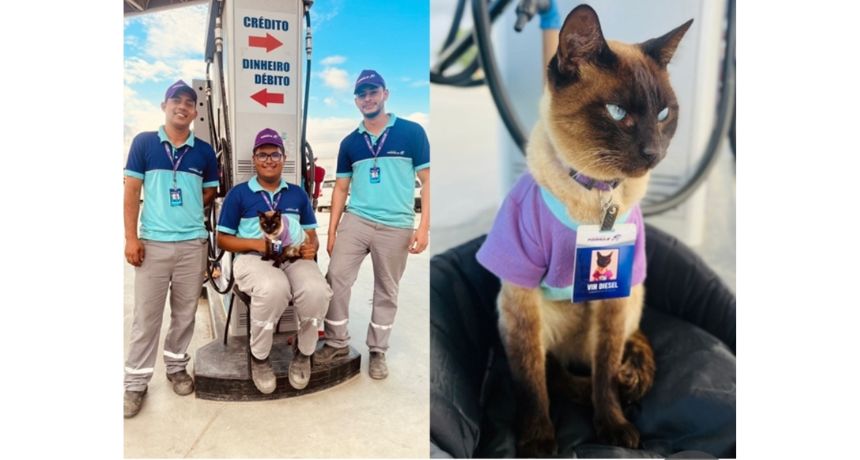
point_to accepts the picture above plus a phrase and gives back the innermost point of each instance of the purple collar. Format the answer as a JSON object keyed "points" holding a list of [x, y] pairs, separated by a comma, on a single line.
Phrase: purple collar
{"points": [[590, 182]]}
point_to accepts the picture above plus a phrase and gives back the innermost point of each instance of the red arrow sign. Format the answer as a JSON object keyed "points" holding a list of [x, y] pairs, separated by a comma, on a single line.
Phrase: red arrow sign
{"points": [[265, 98], [269, 42]]}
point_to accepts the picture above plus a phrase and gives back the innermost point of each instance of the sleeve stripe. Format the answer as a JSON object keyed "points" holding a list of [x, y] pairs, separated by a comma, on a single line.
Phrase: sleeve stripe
{"points": [[136, 174], [223, 229], [343, 175], [424, 166], [213, 183]]}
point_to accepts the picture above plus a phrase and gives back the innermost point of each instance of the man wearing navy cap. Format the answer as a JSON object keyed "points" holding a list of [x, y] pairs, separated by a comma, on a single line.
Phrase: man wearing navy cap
{"points": [[179, 176], [272, 288], [377, 165]]}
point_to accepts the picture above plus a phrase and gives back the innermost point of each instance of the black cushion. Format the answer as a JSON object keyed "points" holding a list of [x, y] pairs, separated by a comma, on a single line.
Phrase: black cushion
{"points": [[689, 318]]}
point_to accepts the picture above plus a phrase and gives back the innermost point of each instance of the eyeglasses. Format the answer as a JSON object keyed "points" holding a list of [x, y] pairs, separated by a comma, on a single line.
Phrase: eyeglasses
{"points": [[275, 156]]}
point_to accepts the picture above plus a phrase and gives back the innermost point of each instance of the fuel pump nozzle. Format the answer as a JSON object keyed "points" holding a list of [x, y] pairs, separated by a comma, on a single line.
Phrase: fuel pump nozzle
{"points": [[526, 9]]}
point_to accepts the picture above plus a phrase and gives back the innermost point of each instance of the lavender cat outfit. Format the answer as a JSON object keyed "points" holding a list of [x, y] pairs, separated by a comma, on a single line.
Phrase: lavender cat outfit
{"points": [[533, 238]]}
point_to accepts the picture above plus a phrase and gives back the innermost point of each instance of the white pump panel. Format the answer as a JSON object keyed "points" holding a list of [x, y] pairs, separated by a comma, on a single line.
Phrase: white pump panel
{"points": [[263, 71]]}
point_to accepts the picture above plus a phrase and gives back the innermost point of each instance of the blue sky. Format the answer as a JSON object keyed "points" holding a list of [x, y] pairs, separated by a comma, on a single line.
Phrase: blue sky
{"points": [[391, 37]]}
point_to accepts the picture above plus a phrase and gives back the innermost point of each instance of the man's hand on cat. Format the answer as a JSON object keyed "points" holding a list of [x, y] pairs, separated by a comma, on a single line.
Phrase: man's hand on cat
{"points": [[419, 241], [309, 249], [134, 252]]}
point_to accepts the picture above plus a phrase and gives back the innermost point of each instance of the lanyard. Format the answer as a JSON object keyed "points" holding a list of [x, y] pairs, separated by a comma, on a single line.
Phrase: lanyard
{"points": [[176, 163], [277, 200], [378, 147]]}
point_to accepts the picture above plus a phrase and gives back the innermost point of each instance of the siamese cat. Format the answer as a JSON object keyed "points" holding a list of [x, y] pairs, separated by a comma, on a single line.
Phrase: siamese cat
{"points": [[603, 273], [607, 115], [280, 247]]}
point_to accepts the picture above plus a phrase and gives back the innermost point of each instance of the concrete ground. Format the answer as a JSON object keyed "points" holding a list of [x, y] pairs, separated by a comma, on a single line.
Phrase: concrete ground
{"points": [[359, 418]]}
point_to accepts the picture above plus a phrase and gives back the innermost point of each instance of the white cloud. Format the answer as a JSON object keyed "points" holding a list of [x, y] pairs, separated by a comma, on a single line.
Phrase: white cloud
{"points": [[177, 32], [138, 70], [330, 101], [333, 60], [336, 78], [140, 115], [421, 118], [323, 12], [325, 134]]}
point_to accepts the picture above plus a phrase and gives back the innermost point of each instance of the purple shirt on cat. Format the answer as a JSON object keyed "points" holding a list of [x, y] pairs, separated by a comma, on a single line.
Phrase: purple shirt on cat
{"points": [[533, 238]]}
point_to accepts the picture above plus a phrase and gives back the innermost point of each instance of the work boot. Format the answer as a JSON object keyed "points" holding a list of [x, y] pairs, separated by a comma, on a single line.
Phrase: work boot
{"points": [[132, 402], [300, 371], [377, 369], [183, 384], [328, 354], [263, 375]]}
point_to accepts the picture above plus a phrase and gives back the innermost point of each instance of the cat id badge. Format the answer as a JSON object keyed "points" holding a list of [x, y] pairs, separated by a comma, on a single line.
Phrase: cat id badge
{"points": [[176, 197], [374, 175], [603, 262]]}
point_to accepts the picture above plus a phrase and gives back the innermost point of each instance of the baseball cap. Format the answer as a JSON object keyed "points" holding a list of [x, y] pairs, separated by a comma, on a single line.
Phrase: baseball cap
{"points": [[180, 86], [268, 136], [368, 77]]}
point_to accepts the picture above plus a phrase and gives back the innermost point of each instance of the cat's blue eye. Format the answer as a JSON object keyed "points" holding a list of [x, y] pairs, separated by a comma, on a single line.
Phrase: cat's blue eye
{"points": [[616, 112], [663, 115]]}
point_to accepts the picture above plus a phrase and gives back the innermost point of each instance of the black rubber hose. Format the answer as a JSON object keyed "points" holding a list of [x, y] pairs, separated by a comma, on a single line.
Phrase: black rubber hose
{"points": [[491, 72], [462, 78], [455, 24], [725, 106], [451, 54], [307, 168]]}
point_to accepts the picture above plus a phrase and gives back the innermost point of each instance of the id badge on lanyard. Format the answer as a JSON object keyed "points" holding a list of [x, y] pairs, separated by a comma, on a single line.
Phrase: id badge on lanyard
{"points": [[603, 262], [375, 172], [175, 193]]}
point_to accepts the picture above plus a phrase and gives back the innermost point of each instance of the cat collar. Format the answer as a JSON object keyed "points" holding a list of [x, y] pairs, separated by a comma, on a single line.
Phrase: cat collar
{"points": [[591, 183]]}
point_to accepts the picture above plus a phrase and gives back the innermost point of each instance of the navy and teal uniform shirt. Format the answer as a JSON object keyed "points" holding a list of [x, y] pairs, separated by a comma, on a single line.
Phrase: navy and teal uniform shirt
{"points": [[387, 198], [148, 160], [239, 211]]}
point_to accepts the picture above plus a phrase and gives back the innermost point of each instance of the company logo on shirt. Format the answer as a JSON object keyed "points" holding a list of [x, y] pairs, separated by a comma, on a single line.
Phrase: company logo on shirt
{"points": [[396, 152], [195, 170], [295, 210]]}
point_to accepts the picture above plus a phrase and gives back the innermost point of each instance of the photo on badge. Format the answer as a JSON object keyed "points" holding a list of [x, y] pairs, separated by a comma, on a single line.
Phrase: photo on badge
{"points": [[273, 271]]}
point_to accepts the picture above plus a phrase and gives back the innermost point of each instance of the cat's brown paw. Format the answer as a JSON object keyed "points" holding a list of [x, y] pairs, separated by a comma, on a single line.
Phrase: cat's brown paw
{"points": [[622, 434], [631, 385], [539, 447], [537, 440]]}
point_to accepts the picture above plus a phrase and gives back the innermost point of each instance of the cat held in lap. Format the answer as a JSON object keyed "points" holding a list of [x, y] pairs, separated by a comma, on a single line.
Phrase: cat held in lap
{"points": [[280, 247], [607, 115]]}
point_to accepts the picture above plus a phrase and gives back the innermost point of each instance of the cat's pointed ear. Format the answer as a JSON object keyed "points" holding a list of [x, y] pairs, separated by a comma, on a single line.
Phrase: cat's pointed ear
{"points": [[261, 214], [661, 49], [581, 41]]}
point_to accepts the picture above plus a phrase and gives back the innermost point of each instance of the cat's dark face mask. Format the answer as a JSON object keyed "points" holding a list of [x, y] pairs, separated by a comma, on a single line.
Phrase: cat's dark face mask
{"points": [[612, 110]]}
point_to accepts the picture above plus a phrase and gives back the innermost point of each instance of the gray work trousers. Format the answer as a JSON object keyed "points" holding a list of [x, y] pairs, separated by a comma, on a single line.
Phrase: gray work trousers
{"points": [[179, 267], [271, 290], [388, 248]]}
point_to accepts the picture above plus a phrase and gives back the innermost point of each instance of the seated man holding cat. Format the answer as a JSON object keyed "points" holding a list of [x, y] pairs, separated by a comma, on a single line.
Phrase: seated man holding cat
{"points": [[273, 286]]}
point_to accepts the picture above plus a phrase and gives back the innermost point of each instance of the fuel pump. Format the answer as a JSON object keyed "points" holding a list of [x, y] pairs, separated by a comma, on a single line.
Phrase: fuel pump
{"points": [[254, 81]]}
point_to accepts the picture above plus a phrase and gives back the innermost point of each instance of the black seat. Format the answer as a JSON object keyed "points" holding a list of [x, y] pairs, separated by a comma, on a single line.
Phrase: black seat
{"points": [[689, 318]]}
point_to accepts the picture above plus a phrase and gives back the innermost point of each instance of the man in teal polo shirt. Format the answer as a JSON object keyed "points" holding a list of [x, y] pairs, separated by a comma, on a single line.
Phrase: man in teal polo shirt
{"points": [[179, 176], [272, 288], [377, 165]]}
